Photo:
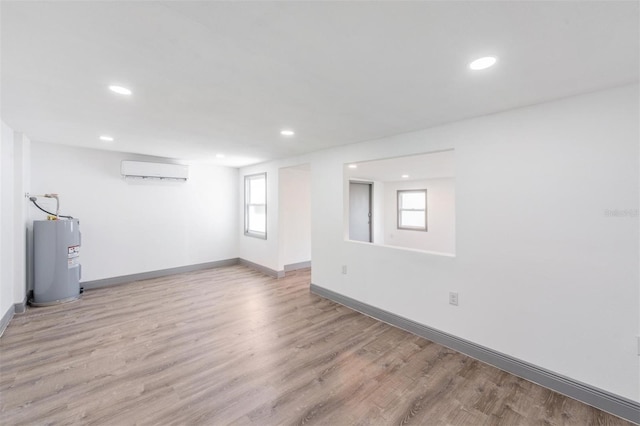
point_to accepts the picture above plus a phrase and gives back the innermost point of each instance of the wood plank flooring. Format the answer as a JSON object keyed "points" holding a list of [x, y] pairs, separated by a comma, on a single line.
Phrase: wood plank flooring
{"points": [[232, 346]]}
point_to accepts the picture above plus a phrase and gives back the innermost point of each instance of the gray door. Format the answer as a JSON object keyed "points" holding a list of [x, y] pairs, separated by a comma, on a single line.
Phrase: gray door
{"points": [[360, 211]]}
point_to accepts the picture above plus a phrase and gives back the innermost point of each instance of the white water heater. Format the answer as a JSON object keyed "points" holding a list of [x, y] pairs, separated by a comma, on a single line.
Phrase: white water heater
{"points": [[56, 245]]}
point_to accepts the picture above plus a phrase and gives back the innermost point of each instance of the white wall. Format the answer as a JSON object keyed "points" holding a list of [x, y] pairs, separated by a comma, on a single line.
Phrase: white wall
{"points": [[378, 215], [441, 226], [264, 252], [130, 227], [21, 213], [295, 216], [6, 219], [544, 275], [14, 182]]}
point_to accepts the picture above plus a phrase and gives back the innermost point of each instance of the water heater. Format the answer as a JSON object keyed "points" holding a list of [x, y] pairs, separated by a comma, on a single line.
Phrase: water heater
{"points": [[56, 257]]}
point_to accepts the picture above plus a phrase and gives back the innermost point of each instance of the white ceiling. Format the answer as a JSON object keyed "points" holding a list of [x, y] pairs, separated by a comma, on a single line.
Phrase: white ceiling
{"points": [[225, 77], [418, 167]]}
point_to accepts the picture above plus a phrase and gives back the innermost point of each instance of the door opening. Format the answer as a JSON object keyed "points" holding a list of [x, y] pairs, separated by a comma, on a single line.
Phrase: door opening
{"points": [[360, 211]]}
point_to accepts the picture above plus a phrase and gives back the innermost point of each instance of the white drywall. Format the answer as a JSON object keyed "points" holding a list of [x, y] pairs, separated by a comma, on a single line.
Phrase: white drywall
{"points": [[441, 226], [14, 182], [544, 274], [21, 213], [6, 220], [295, 216], [378, 203], [131, 226], [264, 252]]}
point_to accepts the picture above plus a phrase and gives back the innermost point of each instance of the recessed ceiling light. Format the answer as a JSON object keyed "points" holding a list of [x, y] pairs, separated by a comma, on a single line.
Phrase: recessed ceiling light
{"points": [[120, 90], [287, 132], [404, 176], [483, 63], [106, 138], [353, 166], [219, 155]]}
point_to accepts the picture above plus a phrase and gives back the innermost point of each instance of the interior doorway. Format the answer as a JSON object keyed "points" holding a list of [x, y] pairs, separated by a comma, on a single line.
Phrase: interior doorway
{"points": [[294, 224], [360, 211]]}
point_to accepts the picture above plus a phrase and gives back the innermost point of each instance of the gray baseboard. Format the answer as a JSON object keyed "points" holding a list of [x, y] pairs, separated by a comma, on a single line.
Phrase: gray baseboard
{"points": [[296, 266], [267, 271], [6, 319], [124, 279], [16, 308], [21, 307], [603, 400]]}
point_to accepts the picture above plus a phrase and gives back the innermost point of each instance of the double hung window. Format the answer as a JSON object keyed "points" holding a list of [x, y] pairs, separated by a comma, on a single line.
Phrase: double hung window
{"points": [[255, 205], [412, 209]]}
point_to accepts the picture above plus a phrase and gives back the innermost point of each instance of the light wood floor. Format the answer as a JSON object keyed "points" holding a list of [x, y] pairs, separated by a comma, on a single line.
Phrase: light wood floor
{"points": [[232, 346]]}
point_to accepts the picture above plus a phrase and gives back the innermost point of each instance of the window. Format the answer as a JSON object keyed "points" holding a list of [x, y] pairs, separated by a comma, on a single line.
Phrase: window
{"points": [[255, 205], [412, 209]]}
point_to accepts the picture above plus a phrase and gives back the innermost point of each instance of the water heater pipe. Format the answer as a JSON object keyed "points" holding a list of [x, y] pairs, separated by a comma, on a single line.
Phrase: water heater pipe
{"points": [[55, 196], [33, 199]]}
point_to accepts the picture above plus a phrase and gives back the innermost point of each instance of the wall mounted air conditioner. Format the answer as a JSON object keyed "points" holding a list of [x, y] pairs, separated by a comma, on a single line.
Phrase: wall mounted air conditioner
{"points": [[146, 170]]}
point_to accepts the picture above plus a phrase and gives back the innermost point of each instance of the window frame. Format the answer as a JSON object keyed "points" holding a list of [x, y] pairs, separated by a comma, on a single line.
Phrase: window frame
{"points": [[247, 205], [400, 210]]}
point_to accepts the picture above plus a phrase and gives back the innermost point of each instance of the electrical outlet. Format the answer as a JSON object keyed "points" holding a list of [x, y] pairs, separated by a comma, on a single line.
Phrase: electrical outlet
{"points": [[453, 298], [344, 269]]}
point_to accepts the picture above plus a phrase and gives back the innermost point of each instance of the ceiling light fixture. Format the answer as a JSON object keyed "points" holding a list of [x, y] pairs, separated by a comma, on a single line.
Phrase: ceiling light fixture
{"points": [[120, 90], [106, 138], [219, 155], [483, 63], [353, 166], [287, 132], [404, 176]]}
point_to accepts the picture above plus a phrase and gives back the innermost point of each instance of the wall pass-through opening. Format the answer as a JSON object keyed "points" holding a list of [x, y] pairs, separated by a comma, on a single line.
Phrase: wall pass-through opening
{"points": [[405, 202]]}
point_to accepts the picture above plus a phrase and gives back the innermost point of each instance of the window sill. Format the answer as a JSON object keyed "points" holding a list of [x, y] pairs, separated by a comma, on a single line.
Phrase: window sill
{"points": [[255, 235]]}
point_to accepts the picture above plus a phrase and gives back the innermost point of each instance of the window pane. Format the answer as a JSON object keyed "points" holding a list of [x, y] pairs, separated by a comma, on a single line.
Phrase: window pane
{"points": [[256, 205], [412, 218], [412, 200], [257, 219], [257, 190]]}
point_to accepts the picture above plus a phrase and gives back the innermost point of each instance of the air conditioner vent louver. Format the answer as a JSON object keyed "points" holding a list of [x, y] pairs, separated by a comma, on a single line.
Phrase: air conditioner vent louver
{"points": [[142, 169]]}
